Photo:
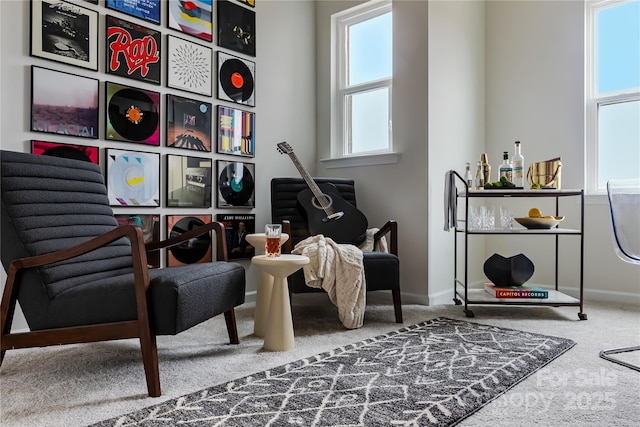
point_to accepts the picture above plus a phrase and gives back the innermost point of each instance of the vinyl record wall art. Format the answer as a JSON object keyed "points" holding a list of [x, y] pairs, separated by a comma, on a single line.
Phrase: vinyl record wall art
{"points": [[133, 51], [189, 66], [149, 10], [236, 28], [68, 151], [188, 123], [64, 104], [193, 251], [64, 32], [133, 178], [150, 225], [192, 17], [132, 114], [236, 184], [236, 131], [188, 181], [236, 79]]}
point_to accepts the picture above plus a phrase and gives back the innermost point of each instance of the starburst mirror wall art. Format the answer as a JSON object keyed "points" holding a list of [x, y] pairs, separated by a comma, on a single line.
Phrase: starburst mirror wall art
{"points": [[189, 66]]}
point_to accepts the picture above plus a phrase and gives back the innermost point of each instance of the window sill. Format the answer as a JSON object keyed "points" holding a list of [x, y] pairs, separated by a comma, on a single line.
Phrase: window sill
{"points": [[361, 160]]}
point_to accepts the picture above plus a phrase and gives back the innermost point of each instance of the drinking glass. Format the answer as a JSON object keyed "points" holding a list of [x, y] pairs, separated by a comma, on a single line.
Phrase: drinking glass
{"points": [[272, 233], [488, 215], [506, 218]]}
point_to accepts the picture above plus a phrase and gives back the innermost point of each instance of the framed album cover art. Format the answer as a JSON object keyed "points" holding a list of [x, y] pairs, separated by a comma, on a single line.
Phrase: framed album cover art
{"points": [[150, 225], [188, 181], [64, 32], [236, 78], [236, 27], [236, 131], [63, 103], [133, 178], [250, 3], [193, 251], [188, 123], [68, 151], [189, 66], [132, 114], [149, 10], [193, 17], [236, 228], [236, 184], [132, 51]]}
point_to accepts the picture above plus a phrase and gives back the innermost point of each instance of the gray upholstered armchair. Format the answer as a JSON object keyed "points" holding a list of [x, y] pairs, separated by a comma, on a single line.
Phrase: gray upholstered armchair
{"points": [[79, 277], [381, 269]]}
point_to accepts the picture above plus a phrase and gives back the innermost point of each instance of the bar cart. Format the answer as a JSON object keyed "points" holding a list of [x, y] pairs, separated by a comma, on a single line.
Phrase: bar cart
{"points": [[474, 296]]}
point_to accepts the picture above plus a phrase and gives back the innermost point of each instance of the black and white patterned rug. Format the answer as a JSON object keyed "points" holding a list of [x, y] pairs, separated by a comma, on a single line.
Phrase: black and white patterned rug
{"points": [[435, 373]]}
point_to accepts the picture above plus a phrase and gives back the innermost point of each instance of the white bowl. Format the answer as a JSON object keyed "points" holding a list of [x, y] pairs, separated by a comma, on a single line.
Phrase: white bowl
{"points": [[539, 223]]}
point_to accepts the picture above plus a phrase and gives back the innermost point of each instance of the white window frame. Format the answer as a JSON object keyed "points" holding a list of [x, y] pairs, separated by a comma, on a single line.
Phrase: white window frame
{"points": [[593, 101], [340, 120]]}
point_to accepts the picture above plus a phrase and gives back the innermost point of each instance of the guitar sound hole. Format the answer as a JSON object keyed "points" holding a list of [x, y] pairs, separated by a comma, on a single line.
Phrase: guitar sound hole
{"points": [[327, 199]]}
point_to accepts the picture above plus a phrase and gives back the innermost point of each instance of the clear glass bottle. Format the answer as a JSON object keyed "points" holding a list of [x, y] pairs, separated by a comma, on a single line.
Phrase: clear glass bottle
{"points": [[468, 179], [518, 166], [479, 180], [506, 168], [486, 167]]}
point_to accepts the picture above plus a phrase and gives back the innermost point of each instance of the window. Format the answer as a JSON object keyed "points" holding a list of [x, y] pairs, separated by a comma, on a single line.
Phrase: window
{"points": [[363, 61], [613, 92]]}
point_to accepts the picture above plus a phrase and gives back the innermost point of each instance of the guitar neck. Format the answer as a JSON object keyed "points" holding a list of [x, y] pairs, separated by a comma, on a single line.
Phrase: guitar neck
{"points": [[312, 184]]}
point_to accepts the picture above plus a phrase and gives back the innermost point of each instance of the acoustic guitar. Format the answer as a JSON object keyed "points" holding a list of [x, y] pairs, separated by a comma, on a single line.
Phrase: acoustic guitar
{"points": [[327, 211]]}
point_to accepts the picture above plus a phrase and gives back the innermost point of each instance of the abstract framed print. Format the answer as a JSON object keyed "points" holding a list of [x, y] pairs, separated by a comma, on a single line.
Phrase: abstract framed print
{"points": [[149, 10], [68, 151], [236, 228], [189, 66], [196, 250], [236, 184], [132, 51], [188, 181], [236, 28], [64, 32], [63, 103], [236, 131], [188, 123], [236, 79], [191, 17], [150, 225], [133, 178], [133, 115]]}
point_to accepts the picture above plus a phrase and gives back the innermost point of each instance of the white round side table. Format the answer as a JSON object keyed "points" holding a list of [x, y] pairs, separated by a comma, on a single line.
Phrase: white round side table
{"points": [[279, 327], [264, 285]]}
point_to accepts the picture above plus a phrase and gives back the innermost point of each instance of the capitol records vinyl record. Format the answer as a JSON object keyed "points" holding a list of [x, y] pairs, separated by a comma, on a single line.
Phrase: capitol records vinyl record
{"points": [[133, 178], [236, 228], [68, 151], [132, 114], [236, 184], [192, 251], [236, 79]]}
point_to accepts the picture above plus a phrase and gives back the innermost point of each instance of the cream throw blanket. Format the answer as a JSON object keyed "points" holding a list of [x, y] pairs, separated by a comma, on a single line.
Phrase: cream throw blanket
{"points": [[338, 269]]}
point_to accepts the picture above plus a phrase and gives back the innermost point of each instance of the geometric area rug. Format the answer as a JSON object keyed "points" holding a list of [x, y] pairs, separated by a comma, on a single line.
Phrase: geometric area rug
{"points": [[435, 373]]}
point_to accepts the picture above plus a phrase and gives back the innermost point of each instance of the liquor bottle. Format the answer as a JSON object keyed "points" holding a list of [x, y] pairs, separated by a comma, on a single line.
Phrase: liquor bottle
{"points": [[479, 181], [506, 168], [518, 166], [468, 179], [486, 167]]}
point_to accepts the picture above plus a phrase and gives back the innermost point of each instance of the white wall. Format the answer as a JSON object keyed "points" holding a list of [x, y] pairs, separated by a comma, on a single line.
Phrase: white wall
{"points": [[285, 96]]}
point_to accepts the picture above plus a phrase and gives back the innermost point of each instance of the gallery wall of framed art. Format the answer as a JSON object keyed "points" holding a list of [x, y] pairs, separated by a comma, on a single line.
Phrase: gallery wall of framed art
{"points": [[138, 79]]}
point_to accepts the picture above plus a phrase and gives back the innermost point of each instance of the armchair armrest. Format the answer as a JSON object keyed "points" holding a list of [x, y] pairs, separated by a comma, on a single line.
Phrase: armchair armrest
{"points": [[138, 254], [221, 241], [391, 228]]}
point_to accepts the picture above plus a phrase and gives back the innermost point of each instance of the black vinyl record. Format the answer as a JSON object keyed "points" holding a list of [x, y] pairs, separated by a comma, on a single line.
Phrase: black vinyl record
{"points": [[193, 250], [236, 186], [67, 153], [133, 114], [236, 80]]}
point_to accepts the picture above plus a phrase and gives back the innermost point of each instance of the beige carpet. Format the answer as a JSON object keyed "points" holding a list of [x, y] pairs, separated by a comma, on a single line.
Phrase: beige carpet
{"points": [[82, 384]]}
